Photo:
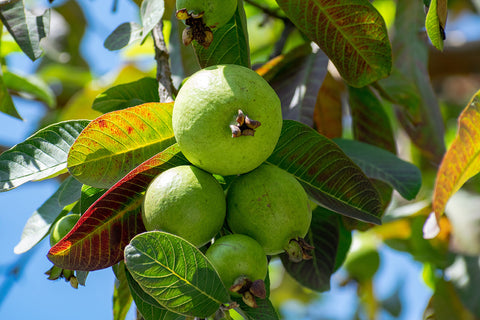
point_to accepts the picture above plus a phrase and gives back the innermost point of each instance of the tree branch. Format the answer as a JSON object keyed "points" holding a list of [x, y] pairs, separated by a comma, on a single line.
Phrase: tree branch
{"points": [[166, 89]]}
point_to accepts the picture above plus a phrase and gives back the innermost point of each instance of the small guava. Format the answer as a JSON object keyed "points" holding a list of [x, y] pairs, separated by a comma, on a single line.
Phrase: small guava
{"points": [[185, 201], [62, 227], [271, 206], [227, 119], [241, 264]]}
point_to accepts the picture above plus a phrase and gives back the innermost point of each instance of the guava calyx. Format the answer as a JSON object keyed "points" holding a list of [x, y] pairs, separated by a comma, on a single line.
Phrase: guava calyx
{"points": [[298, 250], [249, 290], [196, 29], [245, 126], [55, 273]]}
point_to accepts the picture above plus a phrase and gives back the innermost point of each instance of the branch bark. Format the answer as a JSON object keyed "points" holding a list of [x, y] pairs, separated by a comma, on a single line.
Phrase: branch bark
{"points": [[166, 89]]}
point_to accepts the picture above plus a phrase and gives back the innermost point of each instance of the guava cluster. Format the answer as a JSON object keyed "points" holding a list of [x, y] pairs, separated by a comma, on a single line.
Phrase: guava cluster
{"points": [[227, 121]]}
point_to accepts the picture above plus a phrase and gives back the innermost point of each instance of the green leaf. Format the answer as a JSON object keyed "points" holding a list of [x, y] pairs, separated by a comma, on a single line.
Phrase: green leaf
{"points": [[98, 239], [42, 155], [151, 12], [127, 95], [122, 299], [229, 45], [435, 22], [324, 236], [264, 311], [175, 273], [378, 163], [116, 142], [123, 35], [6, 102], [464, 275], [38, 225], [27, 29], [351, 32], [328, 175], [31, 85], [87, 198], [147, 305]]}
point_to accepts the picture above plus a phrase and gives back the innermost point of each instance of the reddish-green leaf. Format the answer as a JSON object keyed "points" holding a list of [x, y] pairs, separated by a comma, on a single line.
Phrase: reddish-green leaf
{"points": [[329, 176], [116, 142], [98, 239], [327, 115], [351, 32], [462, 160]]}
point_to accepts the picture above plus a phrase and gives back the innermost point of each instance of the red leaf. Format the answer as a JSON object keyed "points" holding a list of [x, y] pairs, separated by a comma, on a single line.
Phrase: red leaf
{"points": [[99, 237]]}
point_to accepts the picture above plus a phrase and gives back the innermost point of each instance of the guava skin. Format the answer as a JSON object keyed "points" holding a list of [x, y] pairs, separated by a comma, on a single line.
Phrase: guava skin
{"points": [[62, 227], [269, 205], [216, 13], [238, 255], [185, 201], [207, 105]]}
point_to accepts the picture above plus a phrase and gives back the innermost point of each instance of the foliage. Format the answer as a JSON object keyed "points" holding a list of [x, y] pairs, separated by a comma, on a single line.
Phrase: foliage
{"points": [[387, 177]]}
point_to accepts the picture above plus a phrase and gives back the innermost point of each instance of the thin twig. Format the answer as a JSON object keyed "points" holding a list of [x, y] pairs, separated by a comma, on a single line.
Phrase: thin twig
{"points": [[266, 10], [166, 90], [280, 44]]}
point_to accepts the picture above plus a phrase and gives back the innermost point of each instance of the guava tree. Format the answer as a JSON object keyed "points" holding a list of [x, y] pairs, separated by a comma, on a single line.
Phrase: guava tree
{"points": [[259, 127]]}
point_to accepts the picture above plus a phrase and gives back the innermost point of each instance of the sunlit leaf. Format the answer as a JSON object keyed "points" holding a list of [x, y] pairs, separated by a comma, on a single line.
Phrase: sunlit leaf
{"points": [[435, 22], [351, 32], [6, 102], [39, 224], [175, 273], [380, 164], [26, 28], [298, 86], [324, 236], [31, 85], [229, 45], [462, 160], [127, 95], [42, 155], [328, 175], [98, 239], [88, 196], [151, 12], [123, 35], [327, 115], [147, 305], [116, 142]]}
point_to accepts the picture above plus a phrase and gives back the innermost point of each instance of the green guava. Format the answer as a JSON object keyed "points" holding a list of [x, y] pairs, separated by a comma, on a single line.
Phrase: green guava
{"points": [[185, 201], [62, 227], [227, 119], [215, 13], [271, 206], [241, 264]]}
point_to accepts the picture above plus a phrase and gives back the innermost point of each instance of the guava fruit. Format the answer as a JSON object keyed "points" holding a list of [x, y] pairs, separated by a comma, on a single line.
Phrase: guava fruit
{"points": [[271, 206], [227, 119], [201, 16], [185, 201], [62, 227], [241, 264]]}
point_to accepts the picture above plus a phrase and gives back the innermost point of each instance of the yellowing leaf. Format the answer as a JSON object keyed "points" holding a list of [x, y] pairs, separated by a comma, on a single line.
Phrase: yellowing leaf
{"points": [[462, 159]]}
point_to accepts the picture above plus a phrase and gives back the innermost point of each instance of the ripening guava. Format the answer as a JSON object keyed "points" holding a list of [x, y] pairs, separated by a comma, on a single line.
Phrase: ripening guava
{"points": [[62, 227], [241, 264], [271, 206], [227, 119], [215, 13], [185, 201]]}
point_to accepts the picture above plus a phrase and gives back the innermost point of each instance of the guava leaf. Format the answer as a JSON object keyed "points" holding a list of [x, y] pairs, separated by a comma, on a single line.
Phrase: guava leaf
{"points": [[462, 159], [31, 85], [147, 305], [435, 22], [324, 236], [42, 155], [39, 224], [6, 102], [328, 175], [123, 35], [175, 273], [378, 163], [264, 311], [27, 29], [229, 45], [370, 122], [151, 12], [99, 237], [352, 33], [122, 299], [116, 142], [127, 95], [327, 114], [88, 196], [298, 87]]}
